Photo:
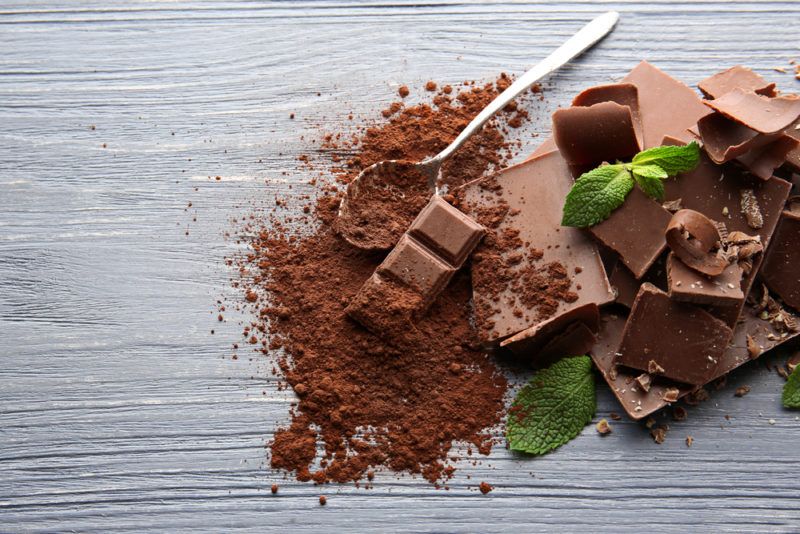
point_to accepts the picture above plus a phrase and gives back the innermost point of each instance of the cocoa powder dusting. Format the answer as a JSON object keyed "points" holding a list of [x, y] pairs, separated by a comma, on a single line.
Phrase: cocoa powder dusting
{"points": [[364, 401]]}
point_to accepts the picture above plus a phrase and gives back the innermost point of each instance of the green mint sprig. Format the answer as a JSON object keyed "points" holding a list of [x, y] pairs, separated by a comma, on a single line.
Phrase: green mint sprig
{"points": [[553, 407], [600, 191], [791, 390]]}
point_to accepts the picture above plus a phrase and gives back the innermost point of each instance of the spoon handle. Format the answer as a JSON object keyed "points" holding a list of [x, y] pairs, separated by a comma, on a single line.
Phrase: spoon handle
{"points": [[586, 37]]}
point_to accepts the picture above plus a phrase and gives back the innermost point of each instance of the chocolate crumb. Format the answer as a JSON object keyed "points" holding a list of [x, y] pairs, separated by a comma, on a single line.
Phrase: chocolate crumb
{"points": [[753, 349], [689, 441], [430, 86], [679, 413], [403, 91], [323, 500], [274, 489], [615, 416], [486, 487], [659, 434], [653, 368], [603, 428], [671, 394], [644, 381], [750, 208], [742, 391]]}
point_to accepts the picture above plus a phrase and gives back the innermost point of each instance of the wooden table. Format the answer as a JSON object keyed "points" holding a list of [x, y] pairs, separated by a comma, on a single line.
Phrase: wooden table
{"points": [[118, 408]]}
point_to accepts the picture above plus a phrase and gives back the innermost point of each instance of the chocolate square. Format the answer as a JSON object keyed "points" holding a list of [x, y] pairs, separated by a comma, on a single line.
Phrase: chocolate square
{"points": [[411, 264], [446, 231]]}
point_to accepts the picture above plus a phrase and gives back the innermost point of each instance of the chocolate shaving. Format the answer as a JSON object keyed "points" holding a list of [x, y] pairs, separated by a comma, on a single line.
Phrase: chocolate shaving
{"points": [[671, 395], [653, 368], [692, 236], [737, 77], [759, 113], [593, 134], [672, 205], [644, 381]]}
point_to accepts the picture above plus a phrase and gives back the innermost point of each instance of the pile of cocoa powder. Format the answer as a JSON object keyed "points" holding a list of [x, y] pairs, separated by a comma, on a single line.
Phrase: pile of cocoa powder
{"points": [[363, 402]]}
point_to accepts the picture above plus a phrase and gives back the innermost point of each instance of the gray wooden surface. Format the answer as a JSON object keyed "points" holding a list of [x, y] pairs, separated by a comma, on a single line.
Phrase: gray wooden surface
{"points": [[120, 411]]}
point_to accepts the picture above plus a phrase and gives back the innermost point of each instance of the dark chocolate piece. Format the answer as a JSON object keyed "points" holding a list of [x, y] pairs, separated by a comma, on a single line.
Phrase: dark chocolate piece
{"points": [[530, 196], [687, 285], [672, 339], [725, 139], [760, 113], [692, 237], [781, 269], [534, 339], [667, 106], [417, 269], [763, 161], [624, 94], [594, 134], [635, 231], [637, 402], [737, 77]]}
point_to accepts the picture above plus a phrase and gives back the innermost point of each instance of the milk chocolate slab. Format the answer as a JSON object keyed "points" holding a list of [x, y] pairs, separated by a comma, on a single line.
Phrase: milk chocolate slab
{"points": [[636, 402], [532, 194], [624, 94], [681, 341], [737, 77], [635, 231], [760, 113], [781, 269], [763, 161], [594, 134], [667, 106], [687, 285], [417, 269]]}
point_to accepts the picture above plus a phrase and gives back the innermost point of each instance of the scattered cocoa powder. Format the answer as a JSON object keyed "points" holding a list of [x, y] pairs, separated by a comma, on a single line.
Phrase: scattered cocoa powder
{"points": [[365, 402]]}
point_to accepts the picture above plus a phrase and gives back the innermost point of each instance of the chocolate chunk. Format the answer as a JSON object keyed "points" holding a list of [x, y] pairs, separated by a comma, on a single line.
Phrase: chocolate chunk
{"points": [[635, 231], [737, 77], [446, 231], [760, 113], [594, 134], [527, 242], [692, 237], [725, 139], [667, 106], [684, 340], [763, 161], [553, 333], [687, 285], [754, 336], [417, 269], [412, 264], [637, 402], [624, 94], [781, 270], [627, 286]]}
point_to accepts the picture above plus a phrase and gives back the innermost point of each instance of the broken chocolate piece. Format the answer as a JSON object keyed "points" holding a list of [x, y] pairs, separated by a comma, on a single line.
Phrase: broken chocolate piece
{"points": [[588, 136], [667, 106], [692, 237], [691, 343], [624, 94], [687, 285], [540, 341], [725, 139], [760, 113], [417, 269], [527, 238], [635, 231], [634, 400], [737, 77], [763, 161], [781, 269], [627, 286]]}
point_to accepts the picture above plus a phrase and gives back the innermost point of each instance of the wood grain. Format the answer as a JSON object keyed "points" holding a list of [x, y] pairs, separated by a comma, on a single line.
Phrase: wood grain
{"points": [[120, 411]]}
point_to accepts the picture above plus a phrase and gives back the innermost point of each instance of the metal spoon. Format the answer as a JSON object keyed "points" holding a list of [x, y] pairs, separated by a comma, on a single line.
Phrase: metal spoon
{"points": [[366, 238]]}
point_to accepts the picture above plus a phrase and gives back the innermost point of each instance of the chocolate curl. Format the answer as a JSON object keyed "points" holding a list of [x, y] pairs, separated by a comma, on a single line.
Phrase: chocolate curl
{"points": [[593, 134], [695, 248]]}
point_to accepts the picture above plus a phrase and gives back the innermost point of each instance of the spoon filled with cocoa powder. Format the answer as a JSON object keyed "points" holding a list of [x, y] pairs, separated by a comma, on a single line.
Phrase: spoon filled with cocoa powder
{"points": [[382, 201]]}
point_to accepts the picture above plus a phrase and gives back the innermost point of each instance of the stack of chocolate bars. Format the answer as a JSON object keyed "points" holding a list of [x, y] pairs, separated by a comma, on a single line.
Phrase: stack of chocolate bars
{"points": [[667, 296]]}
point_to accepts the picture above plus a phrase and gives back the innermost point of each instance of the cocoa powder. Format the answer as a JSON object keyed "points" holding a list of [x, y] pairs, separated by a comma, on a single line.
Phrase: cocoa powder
{"points": [[365, 402]]}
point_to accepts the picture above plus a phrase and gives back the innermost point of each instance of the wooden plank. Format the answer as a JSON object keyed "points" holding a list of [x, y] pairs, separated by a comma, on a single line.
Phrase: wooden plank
{"points": [[120, 411]]}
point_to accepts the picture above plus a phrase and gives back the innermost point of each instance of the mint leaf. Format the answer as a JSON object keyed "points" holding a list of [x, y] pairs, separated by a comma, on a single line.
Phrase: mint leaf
{"points": [[649, 178], [553, 407], [596, 194], [791, 390], [673, 159]]}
